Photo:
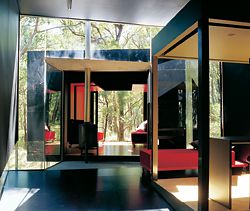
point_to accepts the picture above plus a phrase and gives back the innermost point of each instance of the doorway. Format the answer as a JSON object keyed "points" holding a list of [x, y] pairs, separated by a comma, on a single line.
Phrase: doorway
{"points": [[119, 115]]}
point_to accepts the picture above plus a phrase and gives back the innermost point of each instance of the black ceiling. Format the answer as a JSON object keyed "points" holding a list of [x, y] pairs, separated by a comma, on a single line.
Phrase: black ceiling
{"points": [[110, 81]]}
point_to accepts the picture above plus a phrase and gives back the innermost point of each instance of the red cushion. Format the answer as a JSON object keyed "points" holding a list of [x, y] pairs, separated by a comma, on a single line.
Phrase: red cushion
{"points": [[100, 136], [233, 157], [50, 135], [177, 159]]}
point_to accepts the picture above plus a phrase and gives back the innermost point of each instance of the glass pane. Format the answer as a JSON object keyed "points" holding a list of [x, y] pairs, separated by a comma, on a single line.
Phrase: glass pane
{"points": [[114, 41], [41, 37], [191, 101], [52, 124], [215, 99]]}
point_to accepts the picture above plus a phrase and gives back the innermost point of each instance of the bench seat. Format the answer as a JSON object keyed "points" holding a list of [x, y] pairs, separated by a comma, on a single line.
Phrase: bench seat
{"points": [[177, 159]]}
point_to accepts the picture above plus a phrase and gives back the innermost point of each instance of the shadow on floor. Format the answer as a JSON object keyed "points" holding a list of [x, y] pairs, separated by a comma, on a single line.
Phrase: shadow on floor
{"points": [[111, 188]]}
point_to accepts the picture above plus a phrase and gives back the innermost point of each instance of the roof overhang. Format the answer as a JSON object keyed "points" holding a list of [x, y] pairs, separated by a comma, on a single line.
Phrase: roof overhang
{"points": [[229, 34], [65, 64]]}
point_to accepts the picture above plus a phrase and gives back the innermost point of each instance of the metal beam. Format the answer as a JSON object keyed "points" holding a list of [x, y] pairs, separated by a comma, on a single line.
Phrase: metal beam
{"points": [[203, 112], [155, 119]]}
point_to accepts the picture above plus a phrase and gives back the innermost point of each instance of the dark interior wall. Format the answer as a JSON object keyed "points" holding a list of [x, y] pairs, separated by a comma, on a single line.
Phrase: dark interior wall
{"points": [[236, 99], [171, 78], [9, 20], [168, 109]]}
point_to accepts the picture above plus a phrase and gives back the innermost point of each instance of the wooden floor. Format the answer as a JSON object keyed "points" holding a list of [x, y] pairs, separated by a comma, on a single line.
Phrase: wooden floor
{"points": [[186, 190], [106, 187]]}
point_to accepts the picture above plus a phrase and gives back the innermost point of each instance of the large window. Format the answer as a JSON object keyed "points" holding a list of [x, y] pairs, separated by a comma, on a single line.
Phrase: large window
{"points": [[42, 37], [121, 36]]}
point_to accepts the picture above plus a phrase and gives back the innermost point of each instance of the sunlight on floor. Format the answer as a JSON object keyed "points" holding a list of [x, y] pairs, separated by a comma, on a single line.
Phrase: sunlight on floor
{"points": [[186, 190], [117, 143], [189, 190], [187, 193], [14, 197], [242, 188]]}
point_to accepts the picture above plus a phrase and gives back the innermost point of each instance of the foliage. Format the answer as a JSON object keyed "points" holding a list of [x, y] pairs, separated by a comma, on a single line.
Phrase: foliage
{"points": [[215, 98], [215, 124], [120, 113]]}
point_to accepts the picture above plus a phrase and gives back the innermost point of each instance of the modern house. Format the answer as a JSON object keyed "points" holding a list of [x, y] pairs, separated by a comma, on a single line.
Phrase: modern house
{"points": [[197, 89]]}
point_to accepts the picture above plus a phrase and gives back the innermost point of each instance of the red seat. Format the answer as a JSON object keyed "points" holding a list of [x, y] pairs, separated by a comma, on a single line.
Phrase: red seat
{"points": [[50, 135], [177, 159], [100, 136]]}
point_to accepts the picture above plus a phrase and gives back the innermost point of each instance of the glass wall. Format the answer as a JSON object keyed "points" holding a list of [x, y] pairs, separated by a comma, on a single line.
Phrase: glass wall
{"points": [[184, 184], [42, 37], [215, 99], [116, 41], [53, 114], [107, 36], [191, 79]]}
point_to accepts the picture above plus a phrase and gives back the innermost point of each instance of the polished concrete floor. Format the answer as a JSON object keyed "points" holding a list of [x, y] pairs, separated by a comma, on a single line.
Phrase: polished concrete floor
{"points": [[112, 187], [107, 148]]}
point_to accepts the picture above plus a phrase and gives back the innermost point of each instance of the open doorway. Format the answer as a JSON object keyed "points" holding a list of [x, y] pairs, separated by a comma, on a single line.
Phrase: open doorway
{"points": [[120, 115]]}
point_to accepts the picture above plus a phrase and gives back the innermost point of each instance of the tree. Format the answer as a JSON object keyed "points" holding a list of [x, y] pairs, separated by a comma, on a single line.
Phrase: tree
{"points": [[126, 108]]}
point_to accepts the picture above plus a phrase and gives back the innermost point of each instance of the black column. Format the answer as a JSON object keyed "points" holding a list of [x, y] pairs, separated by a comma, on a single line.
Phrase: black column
{"points": [[203, 112], [9, 21]]}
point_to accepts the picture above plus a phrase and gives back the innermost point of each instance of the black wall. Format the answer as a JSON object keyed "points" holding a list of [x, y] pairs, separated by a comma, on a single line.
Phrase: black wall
{"points": [[236, 97], [9, 20], [168, 109]]}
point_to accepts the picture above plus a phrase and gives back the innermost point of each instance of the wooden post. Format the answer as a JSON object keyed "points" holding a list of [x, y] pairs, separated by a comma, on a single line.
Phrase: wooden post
{"points": [[87, 95]]}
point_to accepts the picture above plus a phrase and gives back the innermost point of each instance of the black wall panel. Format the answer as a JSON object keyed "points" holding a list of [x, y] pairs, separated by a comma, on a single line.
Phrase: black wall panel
{"points": [[9, 20], [168, 109], [236, 99]]}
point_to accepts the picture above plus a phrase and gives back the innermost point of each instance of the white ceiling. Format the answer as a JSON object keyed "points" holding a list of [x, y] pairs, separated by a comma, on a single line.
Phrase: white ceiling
{"points": [[145, 12], [65, 64]]}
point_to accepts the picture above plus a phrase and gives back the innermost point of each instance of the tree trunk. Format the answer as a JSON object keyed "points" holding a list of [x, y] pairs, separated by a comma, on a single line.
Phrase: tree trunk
{"points": [[121, 105], [115, 114], [56, 108], [106, 117], [105, 126], [25, 122]]}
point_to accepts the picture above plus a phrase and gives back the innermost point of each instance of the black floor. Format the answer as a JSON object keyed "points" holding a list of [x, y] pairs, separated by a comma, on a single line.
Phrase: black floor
{"points": [[86, 189]]}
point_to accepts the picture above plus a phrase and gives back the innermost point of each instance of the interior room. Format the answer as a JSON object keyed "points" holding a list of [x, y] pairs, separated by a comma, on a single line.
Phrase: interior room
{"points": [[179, 68]]}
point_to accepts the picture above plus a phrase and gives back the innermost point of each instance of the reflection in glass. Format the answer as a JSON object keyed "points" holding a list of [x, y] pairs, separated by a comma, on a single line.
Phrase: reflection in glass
{"points": [[52, 125]]}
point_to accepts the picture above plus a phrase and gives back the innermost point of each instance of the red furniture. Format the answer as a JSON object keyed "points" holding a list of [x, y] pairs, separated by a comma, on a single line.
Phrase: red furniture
{"points": [[100, 136], [50, 135], [177, 159]]}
